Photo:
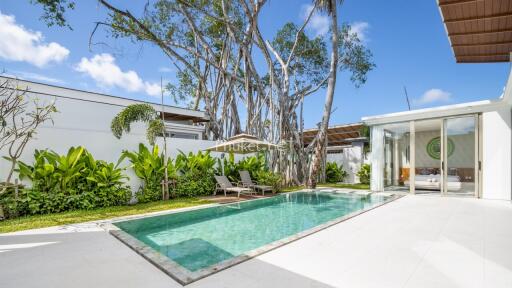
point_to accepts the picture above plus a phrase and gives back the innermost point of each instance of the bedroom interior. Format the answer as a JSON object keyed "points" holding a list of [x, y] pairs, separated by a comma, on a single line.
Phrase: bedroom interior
{"points": [[448, 142]]}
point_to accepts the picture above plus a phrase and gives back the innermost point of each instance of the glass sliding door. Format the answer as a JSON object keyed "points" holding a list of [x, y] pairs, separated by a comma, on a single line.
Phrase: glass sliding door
{"points": [[388, 160], [461, 156], [396, 156], [428, 156], [428, 145]]}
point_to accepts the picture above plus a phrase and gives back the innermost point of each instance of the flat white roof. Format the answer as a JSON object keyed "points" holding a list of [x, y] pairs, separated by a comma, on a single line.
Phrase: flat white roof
{"points": [[445, 111], [71, 93]]}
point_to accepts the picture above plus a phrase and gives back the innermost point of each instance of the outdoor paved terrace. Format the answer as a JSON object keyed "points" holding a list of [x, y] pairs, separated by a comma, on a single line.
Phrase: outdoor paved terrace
{"points": [[415, 241]]}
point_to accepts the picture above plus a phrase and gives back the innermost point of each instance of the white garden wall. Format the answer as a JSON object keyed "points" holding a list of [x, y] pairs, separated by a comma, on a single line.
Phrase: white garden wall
{"points": [[351, 158], [87, 123]]}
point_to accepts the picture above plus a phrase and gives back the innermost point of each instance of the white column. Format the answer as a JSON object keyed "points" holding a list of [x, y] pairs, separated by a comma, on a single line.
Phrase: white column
{"points": [[377, 159], [412, 152]]}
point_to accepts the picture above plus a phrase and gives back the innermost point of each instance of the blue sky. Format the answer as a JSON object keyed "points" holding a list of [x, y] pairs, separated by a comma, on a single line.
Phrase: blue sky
{"points": [[407, 38]]}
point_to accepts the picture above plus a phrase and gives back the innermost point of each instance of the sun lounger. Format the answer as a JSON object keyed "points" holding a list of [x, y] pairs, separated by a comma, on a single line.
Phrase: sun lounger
{"points": [[248, 183], [223, 184]]}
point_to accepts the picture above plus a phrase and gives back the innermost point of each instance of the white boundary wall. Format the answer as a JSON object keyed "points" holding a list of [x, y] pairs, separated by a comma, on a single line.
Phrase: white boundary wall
{"points": [[351, 159], [497, 154], [87, 123]]}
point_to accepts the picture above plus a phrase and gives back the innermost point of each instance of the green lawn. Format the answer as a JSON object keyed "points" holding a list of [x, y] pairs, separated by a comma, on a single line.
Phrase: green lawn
{"points": [[41, 221]]}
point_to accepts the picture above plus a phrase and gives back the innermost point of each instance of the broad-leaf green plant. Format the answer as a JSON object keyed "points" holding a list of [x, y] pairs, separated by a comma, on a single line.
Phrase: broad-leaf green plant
{"points": [[148, 165], [334, 173], [364, 174], [71, 181]]}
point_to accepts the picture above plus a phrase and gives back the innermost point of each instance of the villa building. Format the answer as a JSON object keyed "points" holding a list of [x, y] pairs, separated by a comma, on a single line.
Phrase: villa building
{"points": [[462, 149]]}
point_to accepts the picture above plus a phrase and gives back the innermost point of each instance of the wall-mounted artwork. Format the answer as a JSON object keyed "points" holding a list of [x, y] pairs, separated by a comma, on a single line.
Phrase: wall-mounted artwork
{"points": [[434, 148]]}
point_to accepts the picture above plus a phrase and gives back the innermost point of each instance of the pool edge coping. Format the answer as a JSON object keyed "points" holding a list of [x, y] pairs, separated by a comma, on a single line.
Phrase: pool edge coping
{"points": [[184, 277]]}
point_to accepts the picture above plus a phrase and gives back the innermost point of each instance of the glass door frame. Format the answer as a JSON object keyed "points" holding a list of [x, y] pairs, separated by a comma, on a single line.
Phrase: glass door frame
{"points": [[444, 158], [477, 154]]}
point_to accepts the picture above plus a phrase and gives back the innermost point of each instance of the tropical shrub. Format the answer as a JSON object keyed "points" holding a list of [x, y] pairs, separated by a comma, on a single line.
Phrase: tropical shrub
{"points": [[149, 167], [195, 174], [231, 168], [193, 184], [228, 167], [264, 177], [202, 162], [334, 173], [364, 174], [253, 164], [67, 182]]}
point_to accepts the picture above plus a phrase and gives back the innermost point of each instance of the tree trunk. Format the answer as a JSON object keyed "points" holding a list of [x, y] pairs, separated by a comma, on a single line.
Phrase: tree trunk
{"points": [[329, 95]]}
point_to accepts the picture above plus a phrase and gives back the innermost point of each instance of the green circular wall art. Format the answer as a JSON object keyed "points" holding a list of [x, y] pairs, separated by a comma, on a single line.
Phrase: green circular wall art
{"points": [[434, 148]]}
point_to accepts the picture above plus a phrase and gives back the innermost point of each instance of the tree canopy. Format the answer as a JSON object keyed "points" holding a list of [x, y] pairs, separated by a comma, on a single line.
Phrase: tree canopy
{"points": [[226, 66]]}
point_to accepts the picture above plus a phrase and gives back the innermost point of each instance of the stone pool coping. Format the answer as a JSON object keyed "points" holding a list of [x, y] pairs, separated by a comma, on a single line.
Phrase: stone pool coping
{"points": [[185, 277]]}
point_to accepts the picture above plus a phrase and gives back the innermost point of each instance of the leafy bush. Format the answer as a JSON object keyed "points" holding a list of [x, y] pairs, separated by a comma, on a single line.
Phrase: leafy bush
{"points": [[251, 164], [364, 174], [196, 174], [67, 182], [334, 173], [228, 167], [269, 178], [149, 167], [193, 173], [195, 184], [202, 162]]}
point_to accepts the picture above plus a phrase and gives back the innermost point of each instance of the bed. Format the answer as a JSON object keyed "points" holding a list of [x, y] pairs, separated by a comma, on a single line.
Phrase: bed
{"points": [[433, 182]]}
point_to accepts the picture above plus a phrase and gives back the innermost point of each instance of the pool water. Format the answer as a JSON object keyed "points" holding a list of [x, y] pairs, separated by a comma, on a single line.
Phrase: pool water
{"points": [[201, 238]]}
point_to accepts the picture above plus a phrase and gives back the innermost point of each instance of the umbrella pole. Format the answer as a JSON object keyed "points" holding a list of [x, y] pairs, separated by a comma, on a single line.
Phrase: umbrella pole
{"points": [[222, 163]]}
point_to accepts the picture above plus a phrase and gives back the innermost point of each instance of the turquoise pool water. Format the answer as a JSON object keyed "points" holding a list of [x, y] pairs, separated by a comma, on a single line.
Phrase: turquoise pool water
{"points": [[201, 238]]}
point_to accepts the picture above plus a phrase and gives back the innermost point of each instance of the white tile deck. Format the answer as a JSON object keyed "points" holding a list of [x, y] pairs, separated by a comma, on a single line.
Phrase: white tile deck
{"points": [[416, 241]]}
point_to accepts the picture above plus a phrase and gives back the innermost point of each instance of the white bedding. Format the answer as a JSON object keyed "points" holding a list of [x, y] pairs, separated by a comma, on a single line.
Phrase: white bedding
{"points": [[434, 182]]}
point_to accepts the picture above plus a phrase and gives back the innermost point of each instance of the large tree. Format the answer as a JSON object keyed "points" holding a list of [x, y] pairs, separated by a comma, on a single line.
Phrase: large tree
{"points": [[217, 46], [343, 56]]}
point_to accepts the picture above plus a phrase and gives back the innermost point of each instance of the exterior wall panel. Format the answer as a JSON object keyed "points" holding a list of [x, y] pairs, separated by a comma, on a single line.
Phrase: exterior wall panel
{"points": [[496, 154]]}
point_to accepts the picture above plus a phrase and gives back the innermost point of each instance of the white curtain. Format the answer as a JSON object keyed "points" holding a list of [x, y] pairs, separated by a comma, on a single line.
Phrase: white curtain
{"points": [[377, 159]]}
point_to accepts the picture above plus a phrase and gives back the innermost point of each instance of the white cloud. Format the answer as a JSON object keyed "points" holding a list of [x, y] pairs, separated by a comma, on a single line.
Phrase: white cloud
{"points": [[103, 69], [20, 44], [33, 76], [152, 89], [318, 23], [361, 29], [434, 95]]}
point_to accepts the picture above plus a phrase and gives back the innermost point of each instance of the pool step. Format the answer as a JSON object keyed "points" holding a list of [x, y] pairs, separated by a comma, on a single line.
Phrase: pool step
{"points": [[385, 194], [363, 193], [344, 191]]}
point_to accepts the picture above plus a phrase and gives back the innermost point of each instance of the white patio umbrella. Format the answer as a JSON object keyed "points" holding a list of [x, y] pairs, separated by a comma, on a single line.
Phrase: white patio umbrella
{"points": [[242, 144]]}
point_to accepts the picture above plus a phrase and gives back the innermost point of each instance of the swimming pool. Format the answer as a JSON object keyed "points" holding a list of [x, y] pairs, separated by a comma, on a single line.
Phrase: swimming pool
{"points": [[193, 244]]}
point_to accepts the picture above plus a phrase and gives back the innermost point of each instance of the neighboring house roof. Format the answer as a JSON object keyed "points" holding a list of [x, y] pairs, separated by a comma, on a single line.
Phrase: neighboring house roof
{"points": [[338, 135], [171, 112], [479, 30]]}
